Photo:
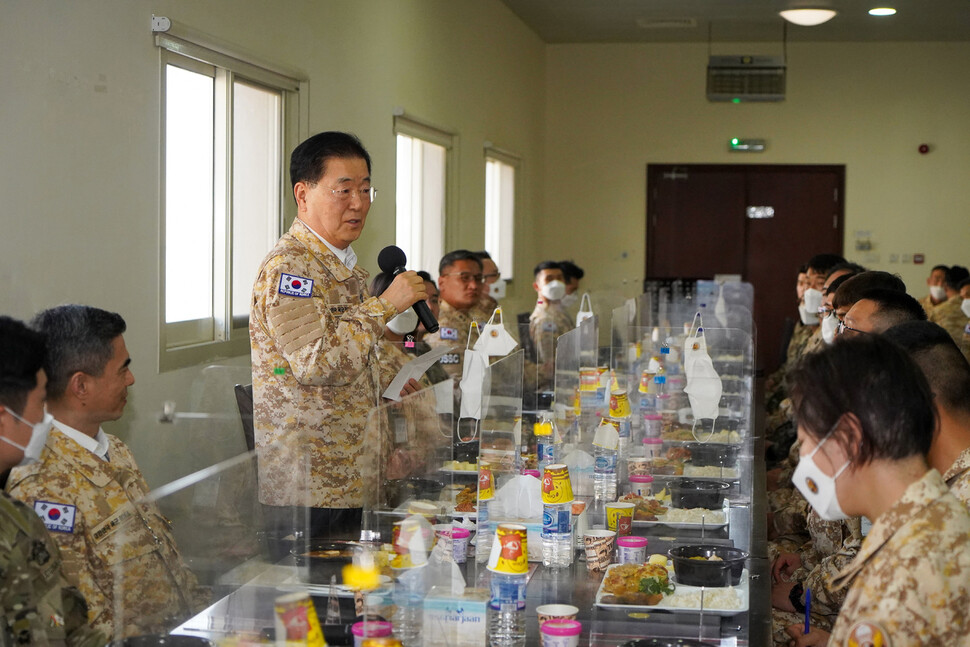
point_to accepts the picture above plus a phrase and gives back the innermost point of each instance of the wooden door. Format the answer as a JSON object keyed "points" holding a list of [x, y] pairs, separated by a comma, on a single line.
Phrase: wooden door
{"points": [[699, 225]]}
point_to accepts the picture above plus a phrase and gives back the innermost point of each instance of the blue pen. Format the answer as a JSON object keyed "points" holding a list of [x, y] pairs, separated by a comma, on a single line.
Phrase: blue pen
{"points": [[808, 607]]}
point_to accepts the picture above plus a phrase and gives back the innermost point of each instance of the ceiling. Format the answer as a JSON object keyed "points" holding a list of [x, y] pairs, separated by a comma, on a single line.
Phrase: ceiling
{"points": [[675, 21]]}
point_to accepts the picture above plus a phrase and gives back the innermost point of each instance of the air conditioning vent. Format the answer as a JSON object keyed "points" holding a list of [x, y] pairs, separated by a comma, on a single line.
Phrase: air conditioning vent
{"points": [[666, 23], [746, 78]]}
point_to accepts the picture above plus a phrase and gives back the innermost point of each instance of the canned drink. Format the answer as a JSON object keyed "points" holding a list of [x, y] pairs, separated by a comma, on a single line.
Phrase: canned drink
{"points": [[296, 620]]}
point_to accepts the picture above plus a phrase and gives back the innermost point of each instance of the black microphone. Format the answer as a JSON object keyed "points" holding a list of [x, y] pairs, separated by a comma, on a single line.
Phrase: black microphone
{"points": [[392, 260]]}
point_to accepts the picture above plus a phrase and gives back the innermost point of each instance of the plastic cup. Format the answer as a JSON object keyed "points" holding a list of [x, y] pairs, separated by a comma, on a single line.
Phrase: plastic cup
{"points": [[547, 612], [560, 633], [599, 546], [638, 465], [641, 484], [371, 629], [631, 550], [619, 517]]}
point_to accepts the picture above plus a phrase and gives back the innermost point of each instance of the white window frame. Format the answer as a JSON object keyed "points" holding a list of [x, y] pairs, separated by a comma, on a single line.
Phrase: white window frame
{"points": [[411, 127], [500, 235], [190, 343]]}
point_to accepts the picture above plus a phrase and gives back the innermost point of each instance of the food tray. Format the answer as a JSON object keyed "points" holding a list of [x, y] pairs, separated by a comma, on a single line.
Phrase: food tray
{"points": [[682, 590], [682, 525]]}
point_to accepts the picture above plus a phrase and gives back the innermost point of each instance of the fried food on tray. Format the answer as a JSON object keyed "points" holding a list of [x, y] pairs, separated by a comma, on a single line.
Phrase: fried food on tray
{"points": [[637, 584], [646, 509], [466, 499]]}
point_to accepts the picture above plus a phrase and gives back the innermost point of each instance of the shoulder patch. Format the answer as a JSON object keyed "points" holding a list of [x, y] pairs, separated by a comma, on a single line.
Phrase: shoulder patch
{"points": [[448, 333], [296, 286], [868, 634], [548, 326], [58, 517]]}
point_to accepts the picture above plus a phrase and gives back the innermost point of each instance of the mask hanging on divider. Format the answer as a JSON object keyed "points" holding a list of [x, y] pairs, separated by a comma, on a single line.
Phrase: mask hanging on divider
{"points": [[495, 340], [472, 379], [720, 307], [703, 387], [570, 300], [585, 309]]}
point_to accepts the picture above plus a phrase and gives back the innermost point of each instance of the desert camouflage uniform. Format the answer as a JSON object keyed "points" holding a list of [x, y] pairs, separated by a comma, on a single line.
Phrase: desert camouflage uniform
{"points": [[39, 606], [951, 318], [453, 327], [958, 477], [911, 579], [928, 305], [547, 323], [120, 551], [315, 376], [484, 308]]}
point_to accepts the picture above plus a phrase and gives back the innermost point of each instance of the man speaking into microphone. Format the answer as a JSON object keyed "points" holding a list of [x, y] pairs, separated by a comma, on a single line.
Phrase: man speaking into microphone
{"points": [[313, 331]]}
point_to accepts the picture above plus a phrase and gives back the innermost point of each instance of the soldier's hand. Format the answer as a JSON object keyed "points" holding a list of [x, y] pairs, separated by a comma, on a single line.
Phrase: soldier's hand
{"points": [[780, 596], [784, 565], [814, 637], [411, 386], [406, 290]]}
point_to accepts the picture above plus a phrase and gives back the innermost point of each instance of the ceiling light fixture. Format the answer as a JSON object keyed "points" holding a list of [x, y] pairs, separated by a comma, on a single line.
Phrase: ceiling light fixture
{"points": [[882, 11], [808, 17]]}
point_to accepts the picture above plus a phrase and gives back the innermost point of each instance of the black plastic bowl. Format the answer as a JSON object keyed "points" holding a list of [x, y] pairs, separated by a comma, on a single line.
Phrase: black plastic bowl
{"points": [[687, 493], [316, 565], [713, 454], [702, 572], [399, 491]]}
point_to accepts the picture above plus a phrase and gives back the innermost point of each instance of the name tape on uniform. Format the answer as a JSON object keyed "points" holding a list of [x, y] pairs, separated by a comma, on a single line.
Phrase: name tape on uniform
{"points": [[449, 333], [450, 358], [296, 286], [58, 517]]}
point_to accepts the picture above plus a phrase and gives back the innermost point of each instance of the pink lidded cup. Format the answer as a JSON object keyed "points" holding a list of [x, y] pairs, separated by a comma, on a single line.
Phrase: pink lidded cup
{"points": [[631, 550], [560, 633]]}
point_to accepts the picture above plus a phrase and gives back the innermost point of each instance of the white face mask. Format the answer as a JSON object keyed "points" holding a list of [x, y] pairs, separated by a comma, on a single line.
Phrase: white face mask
{"points": [[553, 290], [570, 300], [703, 386], [812, 301], [817, 487], [404, 323], [830, 326], [497, 290], [965, 307], [38, 438], [585, 309], [495, 340], [938, 293]]}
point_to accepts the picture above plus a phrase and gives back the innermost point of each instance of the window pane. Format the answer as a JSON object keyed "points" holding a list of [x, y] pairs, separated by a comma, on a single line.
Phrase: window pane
{"points": [[255, 186], [421, 176], [500, 214], [188, 195]]}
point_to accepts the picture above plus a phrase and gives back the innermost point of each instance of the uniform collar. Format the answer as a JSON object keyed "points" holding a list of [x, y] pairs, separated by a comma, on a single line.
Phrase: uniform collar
{"points": [[917, 496], [322, 250], [97, 445], [99, 472], [960, 465]]}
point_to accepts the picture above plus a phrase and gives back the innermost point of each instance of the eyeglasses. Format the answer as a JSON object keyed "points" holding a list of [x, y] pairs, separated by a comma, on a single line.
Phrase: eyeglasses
{"points": [[843, 328], [493, 275], [825, 311], [467, 277], [365, 195]]}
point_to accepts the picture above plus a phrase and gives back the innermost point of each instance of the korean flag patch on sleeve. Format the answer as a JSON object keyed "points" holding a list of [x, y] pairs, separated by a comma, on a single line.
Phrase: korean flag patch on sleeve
{"points": [[296, 286], [58, 517], [448, 333]]}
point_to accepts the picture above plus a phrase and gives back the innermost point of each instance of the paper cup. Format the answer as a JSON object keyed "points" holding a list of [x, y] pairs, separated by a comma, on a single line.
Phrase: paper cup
{"points": [[510, 551], [556, 487], [547, 612], [560, 633], [589, 379], [638, 465], [619, 404], [599, 549], [486, 484], [631, 550], [619, 517]]}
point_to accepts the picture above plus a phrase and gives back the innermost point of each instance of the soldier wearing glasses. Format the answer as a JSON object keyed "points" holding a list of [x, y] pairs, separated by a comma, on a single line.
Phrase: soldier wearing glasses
{"points": [[459, 277], [314, 330]]}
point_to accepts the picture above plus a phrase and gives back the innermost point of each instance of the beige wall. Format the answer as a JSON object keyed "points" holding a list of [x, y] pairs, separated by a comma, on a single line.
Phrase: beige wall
{"points": [[612, 109], [79, 119]]}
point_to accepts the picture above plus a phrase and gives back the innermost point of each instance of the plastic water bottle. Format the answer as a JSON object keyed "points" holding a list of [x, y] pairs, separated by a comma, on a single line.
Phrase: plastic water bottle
{"points": [[548, 441], [408, 597], [557, 538], [506, 610], [604, 474], [484, 534]]}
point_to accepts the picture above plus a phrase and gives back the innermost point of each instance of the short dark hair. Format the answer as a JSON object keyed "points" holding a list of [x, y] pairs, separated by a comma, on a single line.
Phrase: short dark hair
{"points": [[939, 267], [875, 380], [803, 268], [893, 307], [853, 289], [79, 338], [424, 276], [837, 282], [945, 367], [451, 258], [21, 356], [308, 161], [482, 255], [822, 263], [571, 271], [547, 265], [955, 275], [963, 283], [380, 282], [846, 266]]}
